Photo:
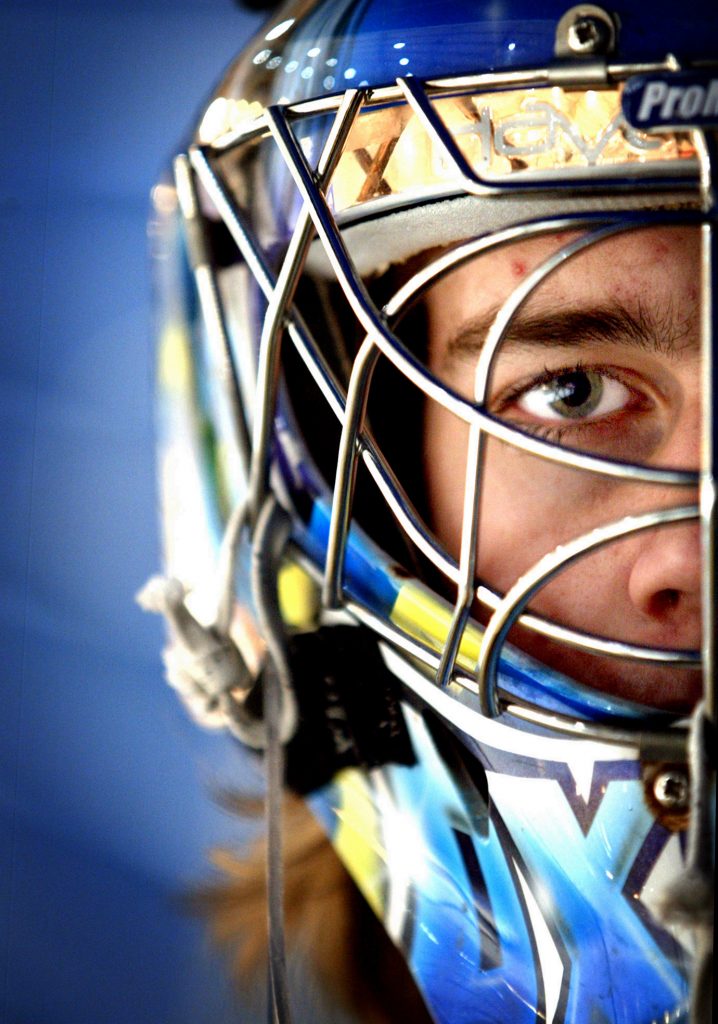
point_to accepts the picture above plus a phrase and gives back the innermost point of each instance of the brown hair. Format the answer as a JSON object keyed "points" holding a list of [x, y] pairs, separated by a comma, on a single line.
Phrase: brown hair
{"points": [[328, 922]]}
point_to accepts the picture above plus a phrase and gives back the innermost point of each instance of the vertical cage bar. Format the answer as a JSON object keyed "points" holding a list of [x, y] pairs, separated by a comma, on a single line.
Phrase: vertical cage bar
{"points": [[709, 468], [211, 301], [281, 298], [345, 480]]}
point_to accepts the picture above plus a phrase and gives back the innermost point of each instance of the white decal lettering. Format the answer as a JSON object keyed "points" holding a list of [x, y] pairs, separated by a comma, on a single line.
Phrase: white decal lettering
{"points": [[654, 94], [671, 102], [691, 101], [710, 107]]}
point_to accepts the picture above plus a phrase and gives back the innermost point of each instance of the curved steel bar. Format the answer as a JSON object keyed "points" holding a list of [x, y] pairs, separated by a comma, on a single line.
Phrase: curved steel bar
{"points": [[345, 479], [709, 470], [519, 595], [468, 555], [667, 744], [452, 258], [404, 360], [573, 457], [282, 295], [404, 512], [417, 98], [252, 254], [542, 76], [592, 642], [521, 294], [485, 82], [232, 216], [211, 302], [568, 724]]}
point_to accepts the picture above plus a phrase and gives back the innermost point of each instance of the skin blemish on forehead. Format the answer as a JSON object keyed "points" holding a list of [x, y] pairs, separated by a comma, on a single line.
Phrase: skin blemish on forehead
{"points": [[518, 267]]}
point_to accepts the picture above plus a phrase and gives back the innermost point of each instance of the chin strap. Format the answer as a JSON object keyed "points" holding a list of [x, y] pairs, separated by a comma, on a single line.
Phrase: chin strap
{"points": [[688, 902]]}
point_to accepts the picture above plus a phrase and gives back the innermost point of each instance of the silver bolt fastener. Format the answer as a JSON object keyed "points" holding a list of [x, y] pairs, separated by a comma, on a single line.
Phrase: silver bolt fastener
{"points": [[585, 30], [671, 789], [588, 35]]}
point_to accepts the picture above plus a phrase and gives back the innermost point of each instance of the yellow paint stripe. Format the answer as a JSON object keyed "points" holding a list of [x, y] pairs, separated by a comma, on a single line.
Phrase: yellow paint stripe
{"points": [[425, 618], [358, 837], [298, 596]]}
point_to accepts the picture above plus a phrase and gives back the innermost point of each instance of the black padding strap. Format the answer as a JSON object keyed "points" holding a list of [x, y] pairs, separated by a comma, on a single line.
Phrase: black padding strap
{"points": [[349, 713]]}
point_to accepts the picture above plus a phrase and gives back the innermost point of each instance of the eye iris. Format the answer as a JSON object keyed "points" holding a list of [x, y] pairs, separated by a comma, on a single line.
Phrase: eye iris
{"points": [[576, 394]]}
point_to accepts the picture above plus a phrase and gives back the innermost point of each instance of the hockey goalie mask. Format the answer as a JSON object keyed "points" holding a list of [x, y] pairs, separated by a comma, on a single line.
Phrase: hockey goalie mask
{"points": [[436, 289]]}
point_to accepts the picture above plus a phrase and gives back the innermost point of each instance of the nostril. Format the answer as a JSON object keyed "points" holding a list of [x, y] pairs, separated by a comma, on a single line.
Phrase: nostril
{"points": [[666, 600]]}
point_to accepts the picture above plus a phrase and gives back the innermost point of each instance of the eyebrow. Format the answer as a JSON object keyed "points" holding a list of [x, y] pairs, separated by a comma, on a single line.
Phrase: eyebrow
{"points": [[662, 331]]}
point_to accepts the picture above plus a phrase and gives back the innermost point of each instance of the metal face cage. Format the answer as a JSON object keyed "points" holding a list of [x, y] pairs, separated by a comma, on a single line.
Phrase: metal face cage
{"points": [[339, 158], [685, 170]]}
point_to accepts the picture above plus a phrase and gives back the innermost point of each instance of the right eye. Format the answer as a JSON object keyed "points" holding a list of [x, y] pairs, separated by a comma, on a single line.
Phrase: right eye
{"points": [[577, 394]]}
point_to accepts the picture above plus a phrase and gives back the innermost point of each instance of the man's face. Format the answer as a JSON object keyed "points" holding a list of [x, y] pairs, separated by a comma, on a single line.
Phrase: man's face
{"points": [[603, 357]]}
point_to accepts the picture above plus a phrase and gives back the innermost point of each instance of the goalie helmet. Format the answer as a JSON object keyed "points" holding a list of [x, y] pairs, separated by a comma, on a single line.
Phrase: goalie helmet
{"points": [[402, 465]]}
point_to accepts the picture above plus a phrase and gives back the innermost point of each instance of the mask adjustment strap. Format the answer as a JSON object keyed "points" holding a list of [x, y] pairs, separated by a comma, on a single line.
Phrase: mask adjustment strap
{"points": [[202, 662]]}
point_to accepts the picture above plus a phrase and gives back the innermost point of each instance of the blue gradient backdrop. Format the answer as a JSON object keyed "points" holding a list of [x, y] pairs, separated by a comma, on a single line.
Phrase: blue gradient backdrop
{"points": [[105, 806]]}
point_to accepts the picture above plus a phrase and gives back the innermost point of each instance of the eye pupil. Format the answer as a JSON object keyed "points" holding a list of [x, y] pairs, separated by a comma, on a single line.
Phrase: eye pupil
{"points": [[576, 393], [573, 389]]}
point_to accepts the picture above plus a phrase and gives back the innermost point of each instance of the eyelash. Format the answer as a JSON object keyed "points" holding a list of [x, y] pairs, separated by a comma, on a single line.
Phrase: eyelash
{"points": [[555, 432]]}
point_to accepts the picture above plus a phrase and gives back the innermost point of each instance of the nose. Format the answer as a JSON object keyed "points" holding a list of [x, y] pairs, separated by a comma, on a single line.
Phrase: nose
{"points": [[665, 577], [665, 581]]}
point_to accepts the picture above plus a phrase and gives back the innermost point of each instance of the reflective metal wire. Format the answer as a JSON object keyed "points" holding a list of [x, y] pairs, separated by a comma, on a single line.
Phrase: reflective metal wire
{"points": [[356, 440], [519, 595], [282, 295], [357, 397], [709, 469], [211, 303], [256, 127], [418, 98], [251, 252]]}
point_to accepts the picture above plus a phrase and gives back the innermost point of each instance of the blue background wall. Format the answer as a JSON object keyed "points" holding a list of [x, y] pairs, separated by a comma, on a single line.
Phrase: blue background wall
{"points": [[105, 806]]}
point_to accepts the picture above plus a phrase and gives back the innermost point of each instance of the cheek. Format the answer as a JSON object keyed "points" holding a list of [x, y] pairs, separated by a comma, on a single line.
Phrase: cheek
{"points": [[445, 439], [528, 506]]}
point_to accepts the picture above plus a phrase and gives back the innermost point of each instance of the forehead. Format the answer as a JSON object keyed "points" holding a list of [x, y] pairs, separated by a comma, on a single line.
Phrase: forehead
{"points": [[650, 265]]}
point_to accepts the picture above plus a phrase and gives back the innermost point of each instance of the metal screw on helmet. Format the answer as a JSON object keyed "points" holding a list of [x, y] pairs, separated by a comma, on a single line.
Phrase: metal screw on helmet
{"points": [[587, 35], [671, 789], [585, 31]]}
